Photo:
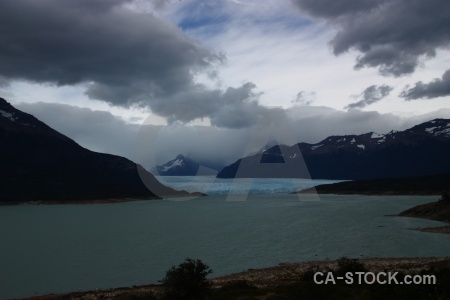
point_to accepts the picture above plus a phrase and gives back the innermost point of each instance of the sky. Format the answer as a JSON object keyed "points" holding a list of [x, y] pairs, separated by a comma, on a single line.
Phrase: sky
{"points": [[219, 79]]}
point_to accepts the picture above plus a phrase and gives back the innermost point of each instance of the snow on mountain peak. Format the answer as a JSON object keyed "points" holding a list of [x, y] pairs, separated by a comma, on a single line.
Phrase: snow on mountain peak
{"points": [[176, 163], [440, 128], [445, 131], [8, 115], [376, 135], [430, 130]]}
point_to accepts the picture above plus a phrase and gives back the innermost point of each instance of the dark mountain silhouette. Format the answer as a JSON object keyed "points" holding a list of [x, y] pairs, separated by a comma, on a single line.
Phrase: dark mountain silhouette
{"points": [[421, 185], [40, 164], [421, 150]]}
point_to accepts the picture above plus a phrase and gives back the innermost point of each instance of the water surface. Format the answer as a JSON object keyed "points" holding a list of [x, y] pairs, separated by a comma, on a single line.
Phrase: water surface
{"points": [[62, 248]]}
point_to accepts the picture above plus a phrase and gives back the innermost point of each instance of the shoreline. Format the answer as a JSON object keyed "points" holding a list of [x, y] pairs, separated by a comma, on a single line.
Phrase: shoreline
{"points": [[438, 229], [198, 194], [97, 201], [92, 201], [284, 273]]}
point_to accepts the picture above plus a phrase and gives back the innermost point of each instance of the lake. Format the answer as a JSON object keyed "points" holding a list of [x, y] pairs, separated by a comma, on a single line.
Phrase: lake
{"points": [[63, 248]]}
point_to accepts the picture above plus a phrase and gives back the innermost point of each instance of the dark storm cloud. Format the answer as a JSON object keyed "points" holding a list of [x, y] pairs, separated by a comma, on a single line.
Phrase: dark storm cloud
{"points": [[120, 56], [392, 35], [371, 95], [434, 89], [232, 108], [101, 42]]}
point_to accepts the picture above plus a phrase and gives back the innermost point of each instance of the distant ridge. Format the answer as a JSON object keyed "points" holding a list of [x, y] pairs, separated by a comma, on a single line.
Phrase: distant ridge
{"points": [[439, 211], [419, 151], [422, 185], [37, 163], [182, 166]]}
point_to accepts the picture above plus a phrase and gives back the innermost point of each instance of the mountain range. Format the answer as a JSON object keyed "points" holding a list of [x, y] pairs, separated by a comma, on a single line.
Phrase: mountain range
{"points": [[182, 166], [40, 164], [421, 150]]}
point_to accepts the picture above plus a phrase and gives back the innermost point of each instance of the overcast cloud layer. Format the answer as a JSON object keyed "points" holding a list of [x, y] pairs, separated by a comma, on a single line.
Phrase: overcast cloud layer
{"points": [[392, 35], [150, 144]]}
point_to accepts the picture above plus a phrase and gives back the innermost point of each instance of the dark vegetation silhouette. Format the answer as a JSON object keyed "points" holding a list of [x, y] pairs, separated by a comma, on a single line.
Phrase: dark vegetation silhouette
{"points": [[187, 281], [445, 197]]}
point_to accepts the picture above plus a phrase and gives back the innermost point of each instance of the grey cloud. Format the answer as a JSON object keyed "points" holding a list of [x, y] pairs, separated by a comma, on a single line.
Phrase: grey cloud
{"points": [[4, 82], [249, 114], [237, 116], [389, 60], [304, 98], [392, 35], [238, 107], [119, 55], [159, 4], [232, 108], [96, 130], [209, 145], [434, 89], [334, 9], [72, 42], [371, 95]]}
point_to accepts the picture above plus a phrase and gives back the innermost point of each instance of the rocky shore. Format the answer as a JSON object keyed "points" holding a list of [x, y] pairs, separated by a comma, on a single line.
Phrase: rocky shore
{"points": [[438, 211], [423, 185], [440, 229], [281, 275]]}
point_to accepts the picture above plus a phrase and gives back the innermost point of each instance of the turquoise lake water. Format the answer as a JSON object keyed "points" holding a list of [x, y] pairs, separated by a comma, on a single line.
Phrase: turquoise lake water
{"points": [[62, 248]]}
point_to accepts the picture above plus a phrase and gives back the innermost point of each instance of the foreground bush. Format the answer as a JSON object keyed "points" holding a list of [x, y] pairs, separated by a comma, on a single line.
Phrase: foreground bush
{"points": [[187, 281], [351, 265]]}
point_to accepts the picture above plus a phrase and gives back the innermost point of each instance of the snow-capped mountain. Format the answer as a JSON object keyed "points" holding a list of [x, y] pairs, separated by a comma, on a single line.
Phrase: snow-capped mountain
{"points": [[421, 150], [439, 129], [182, 166]]}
